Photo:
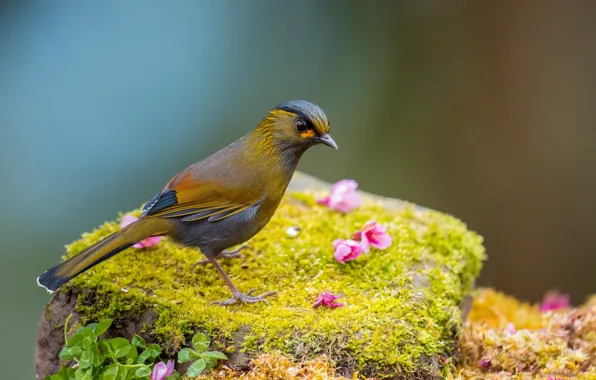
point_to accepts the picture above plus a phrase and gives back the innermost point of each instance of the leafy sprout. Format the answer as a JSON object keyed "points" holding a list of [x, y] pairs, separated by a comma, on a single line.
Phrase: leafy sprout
{"points": [[106, 359], [203, 359]]}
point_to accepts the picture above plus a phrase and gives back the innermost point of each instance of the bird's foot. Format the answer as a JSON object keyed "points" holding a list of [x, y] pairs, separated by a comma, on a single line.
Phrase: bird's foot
{"points": [[245, 298], [233, 253], [224, 255]]}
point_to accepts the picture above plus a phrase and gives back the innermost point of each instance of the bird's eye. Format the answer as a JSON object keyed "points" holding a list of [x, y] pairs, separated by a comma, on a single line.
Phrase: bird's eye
{"points": [[301, 126]]}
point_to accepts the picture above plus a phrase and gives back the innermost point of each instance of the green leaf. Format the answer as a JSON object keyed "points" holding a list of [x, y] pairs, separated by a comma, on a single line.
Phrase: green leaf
{"points": [[154, 349], [88, 338], [143, 357], [137, 341], [143, 371], [123, 373], [151, 352], [120, 346], [104, 344], [110, 372], [210, 362], [67, 373], [75, 351], [86, 359], [187, 354], [174, 376], [98, 357], [196, 368], [65, 354], [54, 377], [75, 340], [102, 326], [83, 374], [200, 342], [214, 354], [132, 355]]}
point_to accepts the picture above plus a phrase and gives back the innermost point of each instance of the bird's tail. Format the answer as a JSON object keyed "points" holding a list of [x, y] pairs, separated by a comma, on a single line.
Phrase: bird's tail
{"points": [[57, 276]]}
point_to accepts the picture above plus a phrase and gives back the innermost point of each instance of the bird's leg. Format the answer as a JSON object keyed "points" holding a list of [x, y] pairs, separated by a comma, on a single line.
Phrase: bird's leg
{"points": [[226, 254], [238, 296]]}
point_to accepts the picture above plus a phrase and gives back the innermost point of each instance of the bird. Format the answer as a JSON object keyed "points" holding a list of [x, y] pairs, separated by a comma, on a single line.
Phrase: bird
{"points": [[221, 201]]}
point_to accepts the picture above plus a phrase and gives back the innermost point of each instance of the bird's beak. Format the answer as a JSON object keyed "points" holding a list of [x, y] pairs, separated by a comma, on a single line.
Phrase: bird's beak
{"points": [[327, 140]]}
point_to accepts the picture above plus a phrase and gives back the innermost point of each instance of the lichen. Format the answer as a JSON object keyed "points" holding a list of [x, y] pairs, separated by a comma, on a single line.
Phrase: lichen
{"points": [[508, 339], [276, 366], [401, 304]]}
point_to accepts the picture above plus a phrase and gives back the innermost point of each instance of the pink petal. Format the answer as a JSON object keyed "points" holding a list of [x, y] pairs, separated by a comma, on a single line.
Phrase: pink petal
{"points": [[341, 253], [343, 196], [554, 300], [382, 241], [324, 201], [170, 367], [127, 219], [374, 234], [365, 243], [159, 371], [150, 241], [344, 185], [327, 299], [352, 200], [346, 250]]}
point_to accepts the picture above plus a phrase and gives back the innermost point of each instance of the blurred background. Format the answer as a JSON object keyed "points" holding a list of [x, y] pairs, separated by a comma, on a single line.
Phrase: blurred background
{"points": [[482, 110]]}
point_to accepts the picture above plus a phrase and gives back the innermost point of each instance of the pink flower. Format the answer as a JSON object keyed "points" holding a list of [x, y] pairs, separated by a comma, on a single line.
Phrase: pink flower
{"points": [[343, 196], [161, 370], [373, 234], [554, 300], [484, 364], [327, 299], [346, 250], [145, 243], [511, 329]]}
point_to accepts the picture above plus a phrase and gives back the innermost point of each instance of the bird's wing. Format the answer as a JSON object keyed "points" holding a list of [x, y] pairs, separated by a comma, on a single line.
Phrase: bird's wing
{"points": [[191, 200]]}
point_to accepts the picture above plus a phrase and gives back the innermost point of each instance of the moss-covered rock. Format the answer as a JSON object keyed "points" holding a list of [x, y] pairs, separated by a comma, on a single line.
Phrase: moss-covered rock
{"points": [[402, 305]]}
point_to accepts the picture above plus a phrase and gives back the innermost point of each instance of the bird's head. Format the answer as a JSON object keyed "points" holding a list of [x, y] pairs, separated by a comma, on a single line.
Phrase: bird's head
{"points": [[295, 126]]}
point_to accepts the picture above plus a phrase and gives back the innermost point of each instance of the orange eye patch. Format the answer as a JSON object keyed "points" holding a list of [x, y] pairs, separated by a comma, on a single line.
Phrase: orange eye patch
{"points": [[309, 133]]}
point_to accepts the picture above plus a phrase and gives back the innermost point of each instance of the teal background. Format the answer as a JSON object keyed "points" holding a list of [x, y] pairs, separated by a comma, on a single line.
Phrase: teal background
{"points": [[485, 111]]}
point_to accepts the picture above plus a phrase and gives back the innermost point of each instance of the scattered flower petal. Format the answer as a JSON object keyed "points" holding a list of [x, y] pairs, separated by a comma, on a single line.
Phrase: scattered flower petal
{"points": [[511, 329], [343, 196], [161, 370], [484, 364], [145, 243], [346, 250], [327, 299], [293, 231], [554, 300], [374, 234]]}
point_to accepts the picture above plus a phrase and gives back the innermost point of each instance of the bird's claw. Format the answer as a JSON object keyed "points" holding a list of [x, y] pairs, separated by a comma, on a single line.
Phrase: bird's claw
{"points": [[245, 298], [224, 255]]}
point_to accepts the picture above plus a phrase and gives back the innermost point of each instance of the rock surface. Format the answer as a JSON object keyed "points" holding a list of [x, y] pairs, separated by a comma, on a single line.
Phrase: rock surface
{"points": [[402, 310]]}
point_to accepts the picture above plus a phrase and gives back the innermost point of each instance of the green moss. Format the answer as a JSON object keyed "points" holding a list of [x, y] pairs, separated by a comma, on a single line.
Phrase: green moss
{"points": [[401, 304]]}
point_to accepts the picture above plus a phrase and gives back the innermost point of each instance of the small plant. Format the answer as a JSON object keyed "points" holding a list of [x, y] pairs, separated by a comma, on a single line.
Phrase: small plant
{"points": [[204, 359], [107, 359]]}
